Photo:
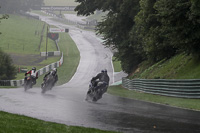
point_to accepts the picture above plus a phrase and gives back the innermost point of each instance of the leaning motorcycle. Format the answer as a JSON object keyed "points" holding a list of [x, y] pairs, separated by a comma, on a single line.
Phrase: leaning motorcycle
{"points": [[48, 83], [27, 83], [95, 93]]}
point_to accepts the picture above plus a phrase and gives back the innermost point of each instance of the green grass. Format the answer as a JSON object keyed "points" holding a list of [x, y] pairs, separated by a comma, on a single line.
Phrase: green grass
{"points": [[116, 65], [50, 43], [71, 58], [180, 66], [172, 101], [16, 32], [18, 35], [50, 60], [12, 123], [191, 69]]}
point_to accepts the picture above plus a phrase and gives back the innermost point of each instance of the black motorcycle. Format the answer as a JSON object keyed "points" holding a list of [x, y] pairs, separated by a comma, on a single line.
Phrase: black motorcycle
{"points": [[48, 83], [95, 92], [28, 83]]}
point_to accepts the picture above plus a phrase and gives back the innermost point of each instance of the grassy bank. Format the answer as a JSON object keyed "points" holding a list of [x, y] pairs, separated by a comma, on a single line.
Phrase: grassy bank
{"points": [[179, 67], [116, 65], [11, 123]]}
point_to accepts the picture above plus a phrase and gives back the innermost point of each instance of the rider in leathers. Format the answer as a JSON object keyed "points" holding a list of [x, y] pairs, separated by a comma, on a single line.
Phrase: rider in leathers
{"points": [[101, 78], [34, 75], [55, 76]]}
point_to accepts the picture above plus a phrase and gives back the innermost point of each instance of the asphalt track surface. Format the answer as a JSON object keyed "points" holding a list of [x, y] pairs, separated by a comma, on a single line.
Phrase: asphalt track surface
{"points": [[66, 103]]}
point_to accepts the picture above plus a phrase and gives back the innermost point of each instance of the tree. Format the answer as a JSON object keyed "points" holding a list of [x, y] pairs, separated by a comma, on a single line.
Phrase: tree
{"points": [[116, 27], [181, 20], [7, 70], [151, 32], [147, 29]]}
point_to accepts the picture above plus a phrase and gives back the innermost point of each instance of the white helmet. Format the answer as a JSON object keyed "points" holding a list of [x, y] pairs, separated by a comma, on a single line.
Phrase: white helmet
{"points": [[55, 69]]}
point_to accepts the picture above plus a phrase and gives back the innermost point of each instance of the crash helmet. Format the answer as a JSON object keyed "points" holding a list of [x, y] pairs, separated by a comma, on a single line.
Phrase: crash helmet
{"points": [[54, 71], [34, 68], [105, 70]]}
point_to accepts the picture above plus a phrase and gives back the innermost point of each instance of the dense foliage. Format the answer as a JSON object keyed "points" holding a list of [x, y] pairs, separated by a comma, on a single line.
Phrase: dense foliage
{"points": [[14, 6], [147, 29], [7, 69], [116, 27]]}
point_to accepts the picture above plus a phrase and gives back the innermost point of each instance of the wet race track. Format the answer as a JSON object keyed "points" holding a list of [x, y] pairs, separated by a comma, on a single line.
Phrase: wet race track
{"points": [[66, 104]]}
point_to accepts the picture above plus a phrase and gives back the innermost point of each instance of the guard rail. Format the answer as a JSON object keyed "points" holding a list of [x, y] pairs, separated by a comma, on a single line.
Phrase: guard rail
{"points": [[184, 88], [40, 72]]}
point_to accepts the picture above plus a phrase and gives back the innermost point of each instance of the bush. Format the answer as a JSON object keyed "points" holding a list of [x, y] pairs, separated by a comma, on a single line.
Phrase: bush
{"points": [[7, 70]]}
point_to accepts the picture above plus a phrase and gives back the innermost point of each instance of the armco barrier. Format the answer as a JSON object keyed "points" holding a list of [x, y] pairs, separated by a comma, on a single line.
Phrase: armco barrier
{"points": [[5, 83], [54, 53], [185, 88], [40, 72]]}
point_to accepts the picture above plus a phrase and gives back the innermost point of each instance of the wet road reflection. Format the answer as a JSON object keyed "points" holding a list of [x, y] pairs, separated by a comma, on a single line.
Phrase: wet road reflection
{"points": [[132, 117], [67, 105]]}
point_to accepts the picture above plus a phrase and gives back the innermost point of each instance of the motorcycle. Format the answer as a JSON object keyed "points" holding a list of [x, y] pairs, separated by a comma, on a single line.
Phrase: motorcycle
{"points": [[48, 83], [28, 83], [95, 93]]}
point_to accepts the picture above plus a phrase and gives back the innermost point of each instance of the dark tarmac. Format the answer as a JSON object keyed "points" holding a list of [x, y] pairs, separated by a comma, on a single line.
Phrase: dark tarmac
{"points": [[67, 105]]}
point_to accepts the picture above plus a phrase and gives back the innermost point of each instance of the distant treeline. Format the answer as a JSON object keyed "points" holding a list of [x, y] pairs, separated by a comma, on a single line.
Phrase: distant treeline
{"points": [[15, 6], [147, 29]]}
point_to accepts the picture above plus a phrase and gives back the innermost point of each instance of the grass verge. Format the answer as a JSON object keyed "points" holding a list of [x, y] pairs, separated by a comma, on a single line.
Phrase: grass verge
{"points": [[71, 58], [116, 65], [172, 101], [179, 67], [12, 123]]}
